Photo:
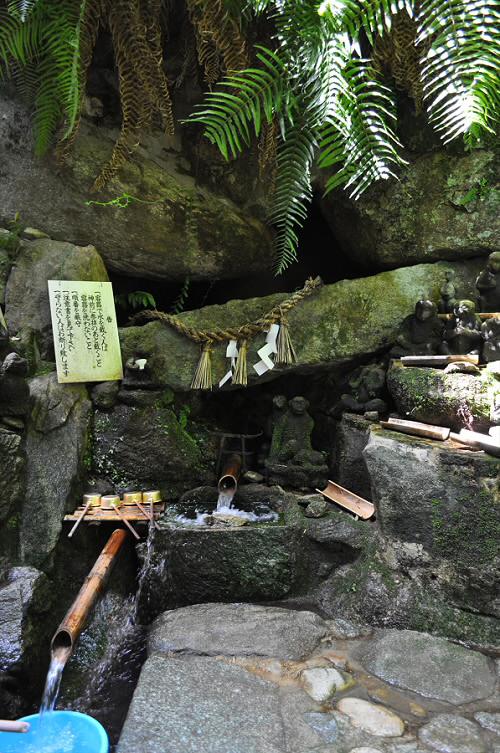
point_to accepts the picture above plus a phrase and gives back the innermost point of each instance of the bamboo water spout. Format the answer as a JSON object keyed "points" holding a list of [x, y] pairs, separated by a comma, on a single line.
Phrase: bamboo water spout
{"points": [[68, 632], [228, 482]]}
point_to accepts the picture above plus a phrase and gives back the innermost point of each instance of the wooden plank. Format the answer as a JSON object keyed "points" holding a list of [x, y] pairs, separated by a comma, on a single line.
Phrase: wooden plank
{"points": [[416, 428], [481, 315], [350, 501], [437, 360]]}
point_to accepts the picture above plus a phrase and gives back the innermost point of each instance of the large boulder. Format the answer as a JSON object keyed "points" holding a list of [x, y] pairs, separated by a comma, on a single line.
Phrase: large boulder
{"points": [[56, 451], [27, 295], [24, 600], [340, 323], [172, 227], [146, 447], [456, 400], [443, 207]]}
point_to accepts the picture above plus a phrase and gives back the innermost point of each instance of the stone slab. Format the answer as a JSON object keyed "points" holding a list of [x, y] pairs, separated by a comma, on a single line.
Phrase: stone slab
{"points": [[430, 666], [237, 630], [449, 733], [201, 705]]}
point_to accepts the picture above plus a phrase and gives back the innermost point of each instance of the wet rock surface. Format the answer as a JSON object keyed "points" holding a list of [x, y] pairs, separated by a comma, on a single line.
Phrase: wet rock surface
{"points": [[403, 658], [234, 678], [58, 427]]}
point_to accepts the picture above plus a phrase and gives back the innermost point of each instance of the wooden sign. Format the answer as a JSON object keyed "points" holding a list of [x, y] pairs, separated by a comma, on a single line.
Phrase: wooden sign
{"points": [[85, 331]]}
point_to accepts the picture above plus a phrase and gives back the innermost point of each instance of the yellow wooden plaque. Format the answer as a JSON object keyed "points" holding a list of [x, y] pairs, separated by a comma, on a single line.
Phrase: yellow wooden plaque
{"points": [[85, 332]]}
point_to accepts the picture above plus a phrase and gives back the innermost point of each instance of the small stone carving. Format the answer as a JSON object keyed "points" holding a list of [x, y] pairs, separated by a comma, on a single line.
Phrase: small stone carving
{"points": [[292, 460], [490, 331], [421, 333], [448, 295], [463, 335], [366, 388], [488, 284]]}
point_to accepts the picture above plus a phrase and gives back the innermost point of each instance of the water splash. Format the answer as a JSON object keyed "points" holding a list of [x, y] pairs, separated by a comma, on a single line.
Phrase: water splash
{"points": [[47, 740], [225, 501]]}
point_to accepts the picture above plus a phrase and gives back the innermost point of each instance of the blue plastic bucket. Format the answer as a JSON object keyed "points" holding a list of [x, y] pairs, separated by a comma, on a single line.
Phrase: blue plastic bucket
{"points": [[60, 732]]}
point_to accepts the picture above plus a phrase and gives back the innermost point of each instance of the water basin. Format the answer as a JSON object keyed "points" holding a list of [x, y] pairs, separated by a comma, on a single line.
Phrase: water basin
{"points": [[57, 732]]}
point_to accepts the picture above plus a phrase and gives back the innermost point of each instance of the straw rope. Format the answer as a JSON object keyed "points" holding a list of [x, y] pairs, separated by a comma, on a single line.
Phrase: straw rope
{"points": [[244, 332]]}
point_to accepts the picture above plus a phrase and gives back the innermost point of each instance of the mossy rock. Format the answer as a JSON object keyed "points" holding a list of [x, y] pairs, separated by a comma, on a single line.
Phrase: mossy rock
{"points": [[454, 400], [342, 322]]}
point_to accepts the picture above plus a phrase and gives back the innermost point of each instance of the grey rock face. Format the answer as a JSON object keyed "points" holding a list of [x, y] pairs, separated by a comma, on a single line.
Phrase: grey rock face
{"points": [[351, 436], [433, 495], [144, 446], [237, 630], [104, 395], [355, 318], [11, 471], [185, 230], [448, 733], [200, 705], [27, 297], [56, 443], [430, 666], [436, 211], [16, 597]]}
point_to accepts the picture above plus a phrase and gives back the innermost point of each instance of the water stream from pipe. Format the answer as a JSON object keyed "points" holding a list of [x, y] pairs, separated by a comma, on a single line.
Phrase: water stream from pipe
{"points": [[53, 682]]}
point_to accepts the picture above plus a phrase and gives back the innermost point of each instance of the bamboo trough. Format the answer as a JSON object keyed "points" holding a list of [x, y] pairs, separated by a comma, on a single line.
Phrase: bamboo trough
{"points": [[348, 500], [437, 360]]}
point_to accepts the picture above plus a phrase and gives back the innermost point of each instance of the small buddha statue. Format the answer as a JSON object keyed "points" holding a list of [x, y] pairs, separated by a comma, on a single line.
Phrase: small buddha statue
{"points": [[463, 336], [448, 293], [292, 460], [490, 331], [421, 333], [488, 284]]}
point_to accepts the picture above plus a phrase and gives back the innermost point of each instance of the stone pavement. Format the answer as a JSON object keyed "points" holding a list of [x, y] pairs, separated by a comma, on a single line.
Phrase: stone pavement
{"points": [[240, 678]]}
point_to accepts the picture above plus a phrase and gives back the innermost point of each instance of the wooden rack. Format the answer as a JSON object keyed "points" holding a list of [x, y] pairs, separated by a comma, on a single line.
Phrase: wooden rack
{"points": [[129, 512]]}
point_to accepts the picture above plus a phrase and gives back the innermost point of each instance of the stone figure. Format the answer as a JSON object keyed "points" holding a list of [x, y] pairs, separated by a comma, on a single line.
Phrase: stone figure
{"points": [[448, 295], [292, 460], [490, 331], [463, 335], [421, 333], [366, 388], [488, 284]]}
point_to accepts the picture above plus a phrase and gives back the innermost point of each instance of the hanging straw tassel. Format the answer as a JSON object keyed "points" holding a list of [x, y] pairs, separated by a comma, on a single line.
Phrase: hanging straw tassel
{"points": [[202, 379], [286, 352], [240, 371]]}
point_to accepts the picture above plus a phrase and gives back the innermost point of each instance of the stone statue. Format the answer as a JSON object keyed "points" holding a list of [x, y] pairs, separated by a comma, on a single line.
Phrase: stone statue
{"points": [[490, 331], [421, 333], [488, 284], [463, 335], [448, 293], [366, 388], [292, 460]]}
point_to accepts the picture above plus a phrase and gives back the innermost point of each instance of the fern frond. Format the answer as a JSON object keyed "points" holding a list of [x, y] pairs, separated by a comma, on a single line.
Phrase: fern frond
{"points": [[20, 43], [293, 191], [359, 136], [460, 70], [219, 34], [242, 100], [21, 8]]}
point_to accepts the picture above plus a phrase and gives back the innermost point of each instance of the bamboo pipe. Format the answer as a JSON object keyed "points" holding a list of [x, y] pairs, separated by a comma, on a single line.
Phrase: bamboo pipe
{"points": [[68, 632], [228, 482], [6, 726], [417, 428]]}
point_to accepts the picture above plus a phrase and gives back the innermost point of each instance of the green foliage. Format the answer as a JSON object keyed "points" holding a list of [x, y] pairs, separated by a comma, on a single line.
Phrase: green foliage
{"points": [[332, 105], [40, 50], [180, 301], [138, 299]]}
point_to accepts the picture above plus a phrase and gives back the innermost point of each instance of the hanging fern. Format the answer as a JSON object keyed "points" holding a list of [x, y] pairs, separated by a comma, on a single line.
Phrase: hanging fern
{"points": [[330, 100]]}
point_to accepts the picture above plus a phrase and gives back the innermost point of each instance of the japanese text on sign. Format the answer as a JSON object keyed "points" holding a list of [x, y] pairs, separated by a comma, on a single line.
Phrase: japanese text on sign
{"points": [[85, 332]]}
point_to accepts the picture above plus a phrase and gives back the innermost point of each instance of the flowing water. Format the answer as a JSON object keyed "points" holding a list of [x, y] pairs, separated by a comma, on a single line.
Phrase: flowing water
{"points": [[53, 682], [225, 501]]}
